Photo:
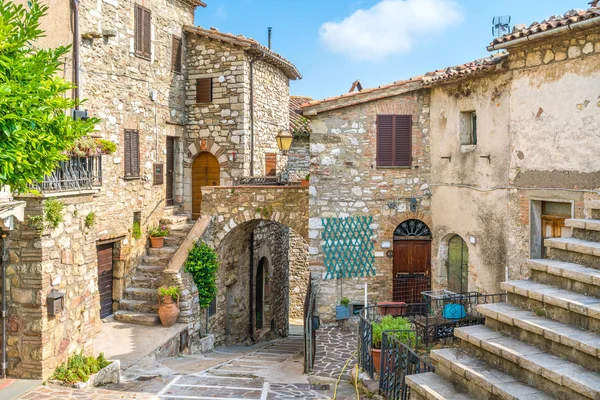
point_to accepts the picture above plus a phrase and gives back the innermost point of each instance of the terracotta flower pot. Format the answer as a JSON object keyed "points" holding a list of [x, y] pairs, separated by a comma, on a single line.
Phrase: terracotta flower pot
{"points": [[394, 309], [304, 182], [376, 356], [168, 310], [157, 242]]}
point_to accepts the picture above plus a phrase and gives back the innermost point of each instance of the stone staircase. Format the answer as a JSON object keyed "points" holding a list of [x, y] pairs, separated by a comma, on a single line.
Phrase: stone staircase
{"points": [[543, 344], [140, 300]]}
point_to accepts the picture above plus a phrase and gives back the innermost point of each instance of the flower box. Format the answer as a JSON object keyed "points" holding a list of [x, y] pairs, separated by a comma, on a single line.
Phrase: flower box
{"points": [[109, 374]]}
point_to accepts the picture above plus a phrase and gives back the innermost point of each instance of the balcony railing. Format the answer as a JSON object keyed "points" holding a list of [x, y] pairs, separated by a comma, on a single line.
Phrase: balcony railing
{"points": [[76, 173]]}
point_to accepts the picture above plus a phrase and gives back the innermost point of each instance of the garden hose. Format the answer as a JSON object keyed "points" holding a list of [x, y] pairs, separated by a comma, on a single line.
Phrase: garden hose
{"points": [[342, 373]]}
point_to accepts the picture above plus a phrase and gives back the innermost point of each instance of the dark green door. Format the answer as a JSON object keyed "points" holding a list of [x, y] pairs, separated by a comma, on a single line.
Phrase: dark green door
{"points": [[458, 265]]}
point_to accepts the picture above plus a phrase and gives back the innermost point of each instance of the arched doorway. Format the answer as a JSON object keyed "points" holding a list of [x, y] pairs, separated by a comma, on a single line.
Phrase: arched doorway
{"points": [[412, 261], [260, 293], [457, 265], [206, 171]]}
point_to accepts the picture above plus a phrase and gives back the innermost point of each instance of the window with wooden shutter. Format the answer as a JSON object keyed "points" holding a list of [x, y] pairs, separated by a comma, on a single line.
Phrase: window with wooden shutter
{"points": [[176, 54], [143, 31], [394, 140], [204, 90], [270, 164], [131, 158]]}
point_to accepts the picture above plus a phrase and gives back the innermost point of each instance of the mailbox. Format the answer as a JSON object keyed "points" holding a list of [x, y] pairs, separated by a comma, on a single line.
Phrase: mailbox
{"points": [[55, 302]]}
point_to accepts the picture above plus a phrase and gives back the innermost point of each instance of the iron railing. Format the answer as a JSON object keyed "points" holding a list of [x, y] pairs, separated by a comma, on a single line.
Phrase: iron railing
{"points": [[397, 361], [76, 173], [407, 288], [310, 334], [258, 181]]}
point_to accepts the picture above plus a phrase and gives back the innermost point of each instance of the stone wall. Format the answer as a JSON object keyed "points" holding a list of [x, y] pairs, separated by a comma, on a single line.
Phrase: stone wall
{"points": [[297, 164], [344, 181], [298, 274]]}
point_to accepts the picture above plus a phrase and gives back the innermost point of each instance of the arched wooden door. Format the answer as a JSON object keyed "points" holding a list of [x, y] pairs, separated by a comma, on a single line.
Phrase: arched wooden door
{"points": [[205, 172]]}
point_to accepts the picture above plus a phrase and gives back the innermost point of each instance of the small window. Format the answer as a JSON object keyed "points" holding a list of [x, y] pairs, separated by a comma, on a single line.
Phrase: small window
{"points": [[132, 153], [142, 29], [270, 164], [204, 90], [468, 128], [176, 55], [394, 140], [212, 307]]}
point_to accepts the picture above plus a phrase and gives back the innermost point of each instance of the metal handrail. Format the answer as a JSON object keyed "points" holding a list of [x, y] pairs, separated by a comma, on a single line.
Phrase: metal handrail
{"points": [[76, 173]]}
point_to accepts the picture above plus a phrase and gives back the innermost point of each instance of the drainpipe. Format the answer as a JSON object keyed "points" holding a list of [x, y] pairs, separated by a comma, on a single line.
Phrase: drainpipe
{"points": [[3, 314], [252, 116], [76, 39], [250, 324]]}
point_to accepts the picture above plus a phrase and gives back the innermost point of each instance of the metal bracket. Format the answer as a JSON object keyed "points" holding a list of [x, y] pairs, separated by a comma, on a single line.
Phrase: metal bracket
{"points": [[3, 314]]}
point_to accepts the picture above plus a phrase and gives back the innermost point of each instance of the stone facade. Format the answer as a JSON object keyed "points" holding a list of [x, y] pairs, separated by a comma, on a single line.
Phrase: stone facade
{"points": [[345, 181]]}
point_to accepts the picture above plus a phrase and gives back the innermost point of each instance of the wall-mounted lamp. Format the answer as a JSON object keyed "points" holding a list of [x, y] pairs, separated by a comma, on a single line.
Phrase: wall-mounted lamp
{"points": [[472, 239], [413, 204], [389, 253], [284, 141]]}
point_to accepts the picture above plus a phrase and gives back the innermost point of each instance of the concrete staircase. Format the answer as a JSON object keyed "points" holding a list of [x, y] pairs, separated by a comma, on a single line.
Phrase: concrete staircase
{"points": [[543, 344], [140, 301]]}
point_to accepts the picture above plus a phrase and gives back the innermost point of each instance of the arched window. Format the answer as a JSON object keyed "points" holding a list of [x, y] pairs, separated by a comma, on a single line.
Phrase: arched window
{"points": [[458, 265], [413, 228]]}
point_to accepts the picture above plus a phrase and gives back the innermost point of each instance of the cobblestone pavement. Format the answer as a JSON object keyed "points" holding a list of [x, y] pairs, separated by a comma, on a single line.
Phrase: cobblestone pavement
{"points": [[334, 348], [271, 371]]}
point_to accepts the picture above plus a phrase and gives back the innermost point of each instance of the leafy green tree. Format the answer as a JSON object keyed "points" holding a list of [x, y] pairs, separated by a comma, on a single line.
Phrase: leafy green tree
{"points": [[36, 129], [203, 264]]}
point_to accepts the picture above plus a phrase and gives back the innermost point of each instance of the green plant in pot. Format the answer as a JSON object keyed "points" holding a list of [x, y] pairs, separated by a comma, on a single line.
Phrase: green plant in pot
{"points": [[306, 181], [157, 236], [168, 304], [343, 310], [398, 327]]}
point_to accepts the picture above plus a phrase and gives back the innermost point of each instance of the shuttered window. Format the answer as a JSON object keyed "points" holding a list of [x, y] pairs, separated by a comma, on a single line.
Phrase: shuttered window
{"points": [[143, 28], [204, 90], [394, 140], [176, 54], [270, 164], [132, 153]]}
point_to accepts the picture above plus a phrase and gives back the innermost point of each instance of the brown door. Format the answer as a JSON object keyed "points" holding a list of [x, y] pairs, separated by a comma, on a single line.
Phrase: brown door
{"points": [[105, 278], [170, 169], [205, 172], [412, 268]]}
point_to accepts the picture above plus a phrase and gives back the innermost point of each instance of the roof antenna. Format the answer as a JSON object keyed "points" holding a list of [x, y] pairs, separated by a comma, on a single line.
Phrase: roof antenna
{"points": [[356, 85], [270, 31], [501, 26]]}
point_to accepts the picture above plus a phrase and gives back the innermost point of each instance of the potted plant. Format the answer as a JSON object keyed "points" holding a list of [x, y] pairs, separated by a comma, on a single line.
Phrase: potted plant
{"points": [[306, 181], [343, 310], [168, 305], [157, 236], [398, 327]]}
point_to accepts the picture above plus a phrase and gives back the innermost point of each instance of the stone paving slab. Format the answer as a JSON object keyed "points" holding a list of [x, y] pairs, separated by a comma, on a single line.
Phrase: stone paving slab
{"points": [[334, 348]]}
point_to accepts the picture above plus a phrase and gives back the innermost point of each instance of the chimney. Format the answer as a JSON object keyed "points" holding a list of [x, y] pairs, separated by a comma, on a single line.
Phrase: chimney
{"points": [[594, 3], [270, 30]]}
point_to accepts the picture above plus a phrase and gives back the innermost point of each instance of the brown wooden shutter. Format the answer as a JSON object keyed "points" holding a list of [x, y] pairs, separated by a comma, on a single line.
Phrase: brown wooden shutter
{"points": [[138, 29], [204, 90], [147, 33], [270, 164], [403, 140], [143, 31], [127, 153], [385, 140], [135, 153], [176, 54]]}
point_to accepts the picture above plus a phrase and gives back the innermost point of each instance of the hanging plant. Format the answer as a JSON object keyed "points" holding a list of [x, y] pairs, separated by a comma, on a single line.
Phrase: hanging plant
{"points": [[203, 264], [89, 147]]}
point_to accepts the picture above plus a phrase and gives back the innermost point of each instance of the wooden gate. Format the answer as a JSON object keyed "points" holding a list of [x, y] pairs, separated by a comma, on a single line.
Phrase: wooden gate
{"points": [[206, 171], [170, 170], [105, 278]]}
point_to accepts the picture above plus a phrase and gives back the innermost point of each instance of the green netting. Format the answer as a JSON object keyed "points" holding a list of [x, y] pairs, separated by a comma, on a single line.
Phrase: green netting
{"points": [[348, 247]]}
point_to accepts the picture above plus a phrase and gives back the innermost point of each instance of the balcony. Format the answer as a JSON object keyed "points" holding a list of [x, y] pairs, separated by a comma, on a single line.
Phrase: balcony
{"points": [[74, 174]]}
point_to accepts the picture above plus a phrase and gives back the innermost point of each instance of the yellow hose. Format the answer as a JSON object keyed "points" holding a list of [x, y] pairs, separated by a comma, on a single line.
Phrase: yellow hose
{"points": [[342, 373]]}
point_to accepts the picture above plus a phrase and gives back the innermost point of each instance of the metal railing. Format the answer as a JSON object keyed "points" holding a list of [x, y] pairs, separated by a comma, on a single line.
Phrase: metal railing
{"points": [[76, 173], [310, 334], [258, 181], [397, 361], [407, 288]]}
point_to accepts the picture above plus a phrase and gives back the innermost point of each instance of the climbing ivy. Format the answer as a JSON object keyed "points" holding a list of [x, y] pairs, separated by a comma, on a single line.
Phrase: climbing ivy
{"points": [[202, 263]]}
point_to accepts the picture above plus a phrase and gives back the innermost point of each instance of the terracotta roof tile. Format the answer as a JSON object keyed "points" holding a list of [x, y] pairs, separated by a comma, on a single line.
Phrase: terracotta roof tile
{"points": [[482, 65], [554, 22], [298, 123], [249, 45]]}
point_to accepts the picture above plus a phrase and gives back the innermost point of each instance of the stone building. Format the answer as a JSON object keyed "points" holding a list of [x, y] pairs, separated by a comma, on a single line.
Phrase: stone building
{"points": [[507, 156]]}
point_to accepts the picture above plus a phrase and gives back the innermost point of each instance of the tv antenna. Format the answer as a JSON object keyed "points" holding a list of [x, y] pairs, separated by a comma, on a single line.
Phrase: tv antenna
{"points": [[501, 25]]}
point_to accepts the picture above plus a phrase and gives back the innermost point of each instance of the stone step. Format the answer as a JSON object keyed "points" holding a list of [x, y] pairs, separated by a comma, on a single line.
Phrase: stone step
{"points": [[479, 378], [587, 224], [430, 386], [574, 245], [137, 318], [150, 270], [542, 370], [162, 251], [156, 261], [174, 219], [174, 241], [140, 306], [141, 280], [583, 249], [574, 344], [140, 293], [569, 276], [559, 304]]}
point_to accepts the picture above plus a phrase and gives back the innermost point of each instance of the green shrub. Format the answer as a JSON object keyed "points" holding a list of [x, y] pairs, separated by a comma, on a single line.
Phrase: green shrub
{"points": [[390, 323], [136, 231], [345, 301], [53, 212], [90, 219], [203, 264], [78, 368]]}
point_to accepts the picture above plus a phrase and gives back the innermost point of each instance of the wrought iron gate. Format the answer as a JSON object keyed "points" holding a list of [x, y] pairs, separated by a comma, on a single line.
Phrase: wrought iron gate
{"points": [[310, 334]]}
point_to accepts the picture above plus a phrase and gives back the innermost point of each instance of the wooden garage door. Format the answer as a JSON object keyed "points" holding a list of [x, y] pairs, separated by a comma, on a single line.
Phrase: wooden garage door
{"points": [[205, 172], [105, 278]]}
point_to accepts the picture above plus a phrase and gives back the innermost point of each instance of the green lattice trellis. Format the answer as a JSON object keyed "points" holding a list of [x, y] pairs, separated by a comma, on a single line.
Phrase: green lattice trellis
{"points": [[348, 247]]}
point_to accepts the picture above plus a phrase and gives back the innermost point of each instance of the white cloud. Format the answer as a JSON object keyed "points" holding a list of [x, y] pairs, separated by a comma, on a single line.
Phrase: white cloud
{"points": [[389, 27]]}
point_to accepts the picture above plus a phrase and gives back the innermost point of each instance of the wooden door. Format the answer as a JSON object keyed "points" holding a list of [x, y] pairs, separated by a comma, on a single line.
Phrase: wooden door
{"points": [[412, 267], [105, 278], [170, 169], [206, 171], [458, 265]]}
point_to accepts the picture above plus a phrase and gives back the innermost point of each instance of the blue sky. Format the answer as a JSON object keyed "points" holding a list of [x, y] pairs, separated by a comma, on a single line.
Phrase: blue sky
{"points": [[335, 42]]}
